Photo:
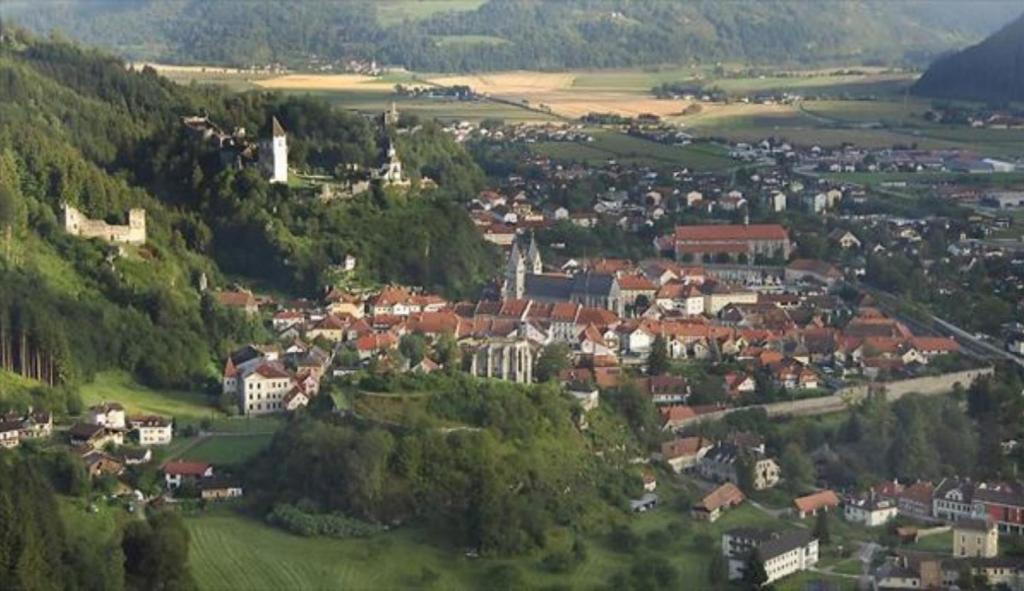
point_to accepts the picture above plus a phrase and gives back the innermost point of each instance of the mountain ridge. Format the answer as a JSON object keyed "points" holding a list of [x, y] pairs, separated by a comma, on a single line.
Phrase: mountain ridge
{"points": [[531, 34], [992, 70]]}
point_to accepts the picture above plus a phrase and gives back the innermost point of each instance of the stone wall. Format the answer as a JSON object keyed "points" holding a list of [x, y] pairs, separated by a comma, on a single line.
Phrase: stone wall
{"points": [[844, 397], [77, 223]]}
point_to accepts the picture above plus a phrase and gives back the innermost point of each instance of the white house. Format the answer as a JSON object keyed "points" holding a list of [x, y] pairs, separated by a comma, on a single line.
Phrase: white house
{"points": [[153, 430], [869, 511], [108, 414]]}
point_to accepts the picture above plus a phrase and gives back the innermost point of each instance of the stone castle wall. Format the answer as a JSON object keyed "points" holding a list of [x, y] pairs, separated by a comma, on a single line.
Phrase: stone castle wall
{"points": [[78, 224]]}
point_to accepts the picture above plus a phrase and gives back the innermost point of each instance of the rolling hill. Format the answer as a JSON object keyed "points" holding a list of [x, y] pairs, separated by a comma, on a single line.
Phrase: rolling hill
{"points": [[991, 71], [469, 35]]}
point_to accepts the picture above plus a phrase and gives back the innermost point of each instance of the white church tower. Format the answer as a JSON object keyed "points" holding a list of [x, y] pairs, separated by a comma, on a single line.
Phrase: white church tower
{"points": [[274, 153]]}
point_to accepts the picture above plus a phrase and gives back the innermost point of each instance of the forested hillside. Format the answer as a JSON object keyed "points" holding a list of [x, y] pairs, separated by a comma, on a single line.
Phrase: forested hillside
{"points": [[529, 34], [992, 71], [77, 127]]}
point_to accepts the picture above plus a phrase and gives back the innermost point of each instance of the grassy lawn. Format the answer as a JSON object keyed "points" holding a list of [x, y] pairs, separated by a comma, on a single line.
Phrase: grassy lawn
{"points": [[231, 550], [227, 450], [116, 386], [936, 543], [802, 581]]}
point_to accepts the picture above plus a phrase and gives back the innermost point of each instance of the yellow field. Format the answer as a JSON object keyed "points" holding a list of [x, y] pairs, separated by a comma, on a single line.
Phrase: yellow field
{"points": [[557, 92]]}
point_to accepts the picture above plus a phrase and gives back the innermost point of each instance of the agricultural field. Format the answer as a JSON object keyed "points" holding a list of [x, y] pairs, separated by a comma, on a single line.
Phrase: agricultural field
{"points": [[231, 449], [117, 386], [609, 145], [228, 548], [394, 12]]}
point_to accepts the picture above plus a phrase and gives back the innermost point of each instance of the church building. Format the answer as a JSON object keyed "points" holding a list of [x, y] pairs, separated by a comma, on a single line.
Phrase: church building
{"points": [[525, 279]]}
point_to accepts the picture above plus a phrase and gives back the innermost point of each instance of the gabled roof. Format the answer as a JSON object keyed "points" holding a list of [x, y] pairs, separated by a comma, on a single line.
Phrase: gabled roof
{"points": [[686, 446], [726, 495], [731, 232], [819, 500], [184, 468]]}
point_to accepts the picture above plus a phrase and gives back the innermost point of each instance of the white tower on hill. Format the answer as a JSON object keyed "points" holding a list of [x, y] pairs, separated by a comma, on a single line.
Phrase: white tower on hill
{"points": [[274, 153]]}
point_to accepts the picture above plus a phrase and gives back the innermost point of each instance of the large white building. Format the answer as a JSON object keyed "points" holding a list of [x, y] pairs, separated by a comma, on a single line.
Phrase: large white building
{"points": [[781, 553], [274, 153]]}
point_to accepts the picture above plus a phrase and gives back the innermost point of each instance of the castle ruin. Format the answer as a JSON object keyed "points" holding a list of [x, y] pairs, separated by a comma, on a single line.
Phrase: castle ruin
{"points": [[78, 224]]}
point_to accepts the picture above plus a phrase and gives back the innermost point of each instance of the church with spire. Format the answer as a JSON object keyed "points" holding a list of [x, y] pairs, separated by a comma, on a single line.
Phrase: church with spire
{"points": [[525, 279], [519, 265]]}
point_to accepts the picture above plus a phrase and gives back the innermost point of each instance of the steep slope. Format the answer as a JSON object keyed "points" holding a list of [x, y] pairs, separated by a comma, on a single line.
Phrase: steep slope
{"points": [[992, 70], [529, 34], [77, 127]]}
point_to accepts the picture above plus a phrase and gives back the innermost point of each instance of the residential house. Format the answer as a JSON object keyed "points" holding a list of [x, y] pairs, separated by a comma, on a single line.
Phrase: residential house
{"points": [[684, 453], [98, 463], [711, 507], [915, 501], [216, 488], [10, 434], [152, 430], [869, 510], [722, 462], [108, 414], [823, 500], [975, 538], [94, 436], [953, 500], [177, 472]]}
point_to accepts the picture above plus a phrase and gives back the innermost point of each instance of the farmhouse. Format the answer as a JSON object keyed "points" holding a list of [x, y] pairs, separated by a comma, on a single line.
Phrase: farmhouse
{"points": [[824, 500], [684, 453], [177, 473], [711, 507]]}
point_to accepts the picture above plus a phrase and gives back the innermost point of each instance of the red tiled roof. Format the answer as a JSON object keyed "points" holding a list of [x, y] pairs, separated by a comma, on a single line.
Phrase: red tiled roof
{"points": [[818, 500], [635, 283], [731, 232], [727, 495], [686, 446], [726, 247], [270, 370], [183, 468], [935, 344]]}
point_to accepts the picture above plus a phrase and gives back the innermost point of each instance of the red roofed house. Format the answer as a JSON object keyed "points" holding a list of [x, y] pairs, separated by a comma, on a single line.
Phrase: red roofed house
{"points": [[916, 500], [824, 500], [634, 286], [684, 453], [710, 508], [750, 240], [240, 300], [179, 472]]}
